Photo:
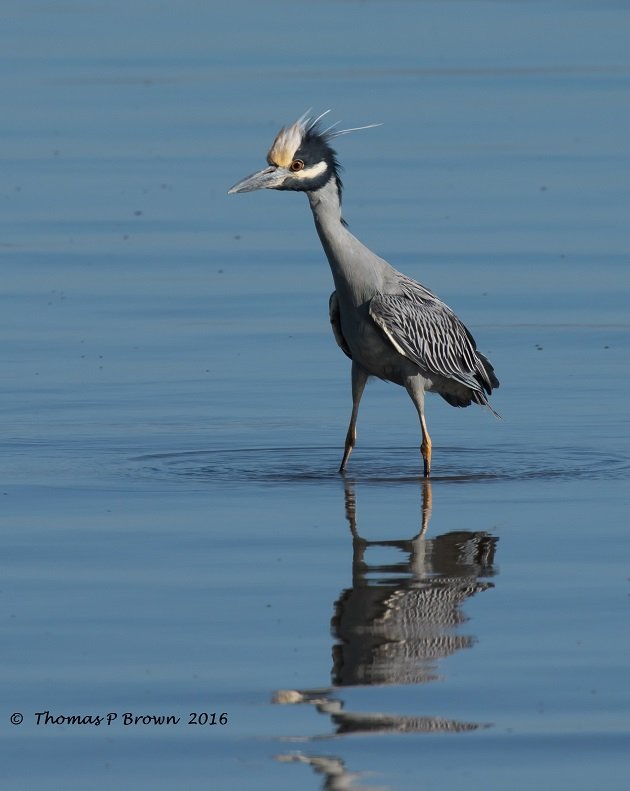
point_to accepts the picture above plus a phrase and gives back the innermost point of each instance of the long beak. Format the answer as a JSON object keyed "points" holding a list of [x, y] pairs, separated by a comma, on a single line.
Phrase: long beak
{"points": [[269, 178]]}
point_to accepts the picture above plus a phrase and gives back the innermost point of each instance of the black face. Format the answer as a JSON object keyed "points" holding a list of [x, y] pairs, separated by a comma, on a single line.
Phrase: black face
{"points": [[314, 150]]}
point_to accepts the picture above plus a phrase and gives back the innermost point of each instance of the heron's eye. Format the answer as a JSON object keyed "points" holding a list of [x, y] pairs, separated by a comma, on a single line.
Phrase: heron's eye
{"points": [[296, 165]]}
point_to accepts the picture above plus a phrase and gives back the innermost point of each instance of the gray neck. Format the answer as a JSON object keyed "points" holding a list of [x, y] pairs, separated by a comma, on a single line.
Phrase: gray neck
{"points": [[357, 272]]}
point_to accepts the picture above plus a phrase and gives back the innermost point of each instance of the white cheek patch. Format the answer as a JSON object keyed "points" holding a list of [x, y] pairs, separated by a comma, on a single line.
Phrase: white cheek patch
{"points": [[312, 172]]}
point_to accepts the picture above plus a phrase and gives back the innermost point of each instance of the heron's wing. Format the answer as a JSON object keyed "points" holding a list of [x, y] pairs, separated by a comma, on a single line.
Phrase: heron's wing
{"points": [[335, 323], [425, 330]]}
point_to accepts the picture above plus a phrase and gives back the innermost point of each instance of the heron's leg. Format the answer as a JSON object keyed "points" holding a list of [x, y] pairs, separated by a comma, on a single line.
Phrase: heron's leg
{"points": [[426, 446], [415, 388], [359, 379]]}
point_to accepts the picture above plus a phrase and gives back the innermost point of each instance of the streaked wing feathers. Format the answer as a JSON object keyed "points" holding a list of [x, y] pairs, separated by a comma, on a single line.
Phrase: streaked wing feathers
{"points": [[421, 327]]}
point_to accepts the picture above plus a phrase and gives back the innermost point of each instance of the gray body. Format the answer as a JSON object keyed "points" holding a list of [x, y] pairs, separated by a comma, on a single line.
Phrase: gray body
{"points": [[360, 277], [389, 325]]}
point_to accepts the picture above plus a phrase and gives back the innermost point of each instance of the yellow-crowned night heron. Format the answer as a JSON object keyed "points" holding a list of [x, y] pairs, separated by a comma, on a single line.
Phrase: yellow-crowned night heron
{"points": [[389, 325]]}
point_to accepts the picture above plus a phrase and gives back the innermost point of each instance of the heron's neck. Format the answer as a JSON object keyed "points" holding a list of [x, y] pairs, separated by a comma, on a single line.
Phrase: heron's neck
{"points": [[326, 207], [355, 269]]}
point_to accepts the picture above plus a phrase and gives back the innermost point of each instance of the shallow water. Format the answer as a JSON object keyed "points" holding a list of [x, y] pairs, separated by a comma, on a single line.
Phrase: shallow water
{"points": [[175, 536]]}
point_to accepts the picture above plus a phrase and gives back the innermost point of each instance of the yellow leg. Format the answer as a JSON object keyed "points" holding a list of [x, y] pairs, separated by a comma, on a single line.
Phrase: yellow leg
{"points": [[425, 447], [415, 387]]}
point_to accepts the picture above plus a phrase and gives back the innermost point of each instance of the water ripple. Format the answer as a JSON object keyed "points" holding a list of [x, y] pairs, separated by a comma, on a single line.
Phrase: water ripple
{"points": [[383, 465]]}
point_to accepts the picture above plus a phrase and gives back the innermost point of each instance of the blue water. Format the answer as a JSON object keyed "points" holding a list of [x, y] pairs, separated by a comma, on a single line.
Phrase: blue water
{"points": [[175, 537]]}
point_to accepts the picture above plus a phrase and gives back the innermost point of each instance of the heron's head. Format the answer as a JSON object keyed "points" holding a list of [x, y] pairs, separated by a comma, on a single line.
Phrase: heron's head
{"points": [[301, 158]]}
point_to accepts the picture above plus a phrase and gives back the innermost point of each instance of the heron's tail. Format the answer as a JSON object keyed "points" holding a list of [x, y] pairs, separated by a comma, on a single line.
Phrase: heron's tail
{"points": [[489, 381]]}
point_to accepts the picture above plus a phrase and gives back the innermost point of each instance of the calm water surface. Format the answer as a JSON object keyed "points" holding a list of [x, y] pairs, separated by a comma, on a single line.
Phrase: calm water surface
{"points": [[175, 537]]}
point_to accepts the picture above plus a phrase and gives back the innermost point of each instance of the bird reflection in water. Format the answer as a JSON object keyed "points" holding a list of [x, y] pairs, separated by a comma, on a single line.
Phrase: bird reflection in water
{"points": [[395, 623], [399, 619]]}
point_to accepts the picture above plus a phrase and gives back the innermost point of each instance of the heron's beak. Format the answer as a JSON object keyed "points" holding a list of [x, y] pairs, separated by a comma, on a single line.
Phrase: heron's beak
{"points": [[269, 178]]}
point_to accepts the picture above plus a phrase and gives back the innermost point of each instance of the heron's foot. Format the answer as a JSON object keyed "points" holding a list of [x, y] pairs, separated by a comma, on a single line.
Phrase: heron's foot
{"points": [[425, 449], [351, 438], [344, 461]]}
